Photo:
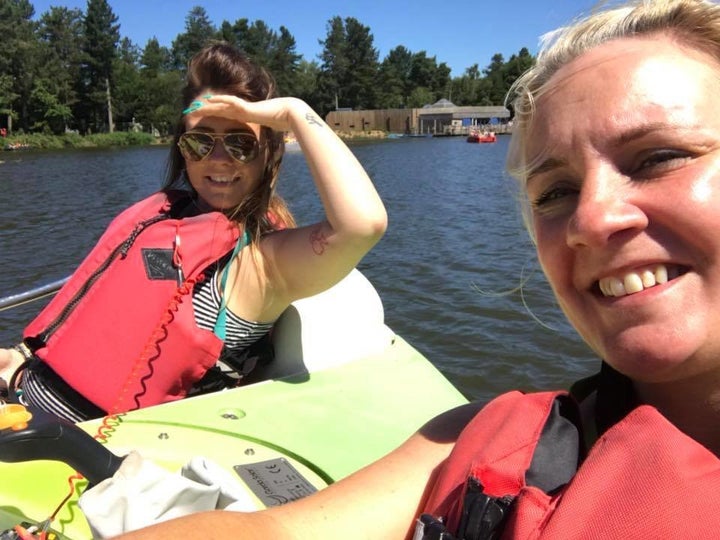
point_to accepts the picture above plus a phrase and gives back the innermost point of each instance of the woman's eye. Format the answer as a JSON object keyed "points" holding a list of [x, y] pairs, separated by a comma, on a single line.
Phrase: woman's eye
{"points": [[660, 160], [553, 196]]}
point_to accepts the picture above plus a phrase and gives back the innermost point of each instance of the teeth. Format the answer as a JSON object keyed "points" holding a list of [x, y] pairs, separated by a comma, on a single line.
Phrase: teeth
{"points": [[617, 288], [222, 179], [648, 278], [635, 282]]}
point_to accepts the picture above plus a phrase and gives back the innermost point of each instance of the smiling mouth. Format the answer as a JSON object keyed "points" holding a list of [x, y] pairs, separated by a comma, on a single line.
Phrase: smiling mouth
{"points": [[635, 282], [223, 180]]}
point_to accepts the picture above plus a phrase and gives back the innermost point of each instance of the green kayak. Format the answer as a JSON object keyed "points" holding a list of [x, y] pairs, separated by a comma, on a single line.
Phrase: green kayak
{"points": [[343, 391]]}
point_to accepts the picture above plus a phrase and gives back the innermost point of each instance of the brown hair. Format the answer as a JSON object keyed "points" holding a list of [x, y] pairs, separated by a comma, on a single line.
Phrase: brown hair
{"points": [[225, 69]]}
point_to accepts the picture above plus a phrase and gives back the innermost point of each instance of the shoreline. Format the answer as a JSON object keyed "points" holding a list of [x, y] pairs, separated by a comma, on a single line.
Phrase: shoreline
{"points": [[36, 141]]}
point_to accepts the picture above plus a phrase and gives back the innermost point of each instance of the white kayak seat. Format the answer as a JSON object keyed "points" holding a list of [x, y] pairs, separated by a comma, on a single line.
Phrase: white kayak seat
{"points": [[339, 325]]}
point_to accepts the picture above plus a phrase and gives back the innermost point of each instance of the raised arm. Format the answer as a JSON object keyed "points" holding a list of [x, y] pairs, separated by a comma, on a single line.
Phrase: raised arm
{"points": [[380, 501], [310, 259]]}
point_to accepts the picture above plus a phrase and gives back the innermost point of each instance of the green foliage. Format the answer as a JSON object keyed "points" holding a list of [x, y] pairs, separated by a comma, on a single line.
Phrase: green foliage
{"points": [[420, 96], [7, 96], [73, 140], [19, 58], [306, 79], [120, 138], [101, 36], [52, 115], [61, 36], [394, 79], [273, 50], [155, 59], [71, 70], [198, 31]]}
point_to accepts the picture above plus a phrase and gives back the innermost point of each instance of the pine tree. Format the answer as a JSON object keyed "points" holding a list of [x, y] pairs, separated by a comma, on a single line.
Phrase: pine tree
{"points": [[198, 32], [18, 60], [61, 39], [102, 33]]}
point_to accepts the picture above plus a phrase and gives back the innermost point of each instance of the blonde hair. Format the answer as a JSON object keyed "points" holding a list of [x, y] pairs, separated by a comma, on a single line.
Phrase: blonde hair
{"points": [[693, 23]]}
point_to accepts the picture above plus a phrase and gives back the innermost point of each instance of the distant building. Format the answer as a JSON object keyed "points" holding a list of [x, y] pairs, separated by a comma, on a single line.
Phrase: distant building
{"points": [[441, 118]]}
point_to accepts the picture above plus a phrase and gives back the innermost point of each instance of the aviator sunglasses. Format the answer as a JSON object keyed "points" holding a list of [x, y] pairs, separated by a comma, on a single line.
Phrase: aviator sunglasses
{"points": [[243, 147]]}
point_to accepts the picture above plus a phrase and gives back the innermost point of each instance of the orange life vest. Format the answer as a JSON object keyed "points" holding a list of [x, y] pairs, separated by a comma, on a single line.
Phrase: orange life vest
{"points": [[642, 478], [122, 330]]}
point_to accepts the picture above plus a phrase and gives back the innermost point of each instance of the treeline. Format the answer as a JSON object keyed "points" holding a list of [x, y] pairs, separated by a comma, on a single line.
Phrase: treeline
{"points": [[71, 70]]}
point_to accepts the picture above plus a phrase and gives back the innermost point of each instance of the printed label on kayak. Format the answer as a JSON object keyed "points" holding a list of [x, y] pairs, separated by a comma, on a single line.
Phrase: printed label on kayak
{"points": [[275, 482]]}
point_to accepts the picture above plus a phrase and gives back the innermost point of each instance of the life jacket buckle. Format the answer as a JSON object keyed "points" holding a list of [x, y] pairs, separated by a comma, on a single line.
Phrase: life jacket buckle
{"points": [[483, 516], [429, 528]]}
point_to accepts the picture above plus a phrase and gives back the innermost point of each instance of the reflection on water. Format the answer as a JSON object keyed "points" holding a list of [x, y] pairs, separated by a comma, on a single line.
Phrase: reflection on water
{"points": [[455, 244]]}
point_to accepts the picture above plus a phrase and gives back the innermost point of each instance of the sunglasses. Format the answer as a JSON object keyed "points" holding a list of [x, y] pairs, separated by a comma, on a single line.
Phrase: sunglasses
{"points": [[197, 145]]}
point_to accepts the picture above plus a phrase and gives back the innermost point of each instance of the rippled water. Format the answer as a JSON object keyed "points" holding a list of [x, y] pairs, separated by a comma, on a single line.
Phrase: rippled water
{"points": [[454, 252]]}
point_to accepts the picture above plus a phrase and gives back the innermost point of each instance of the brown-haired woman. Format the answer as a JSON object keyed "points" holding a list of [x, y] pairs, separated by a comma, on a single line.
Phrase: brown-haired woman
{"points": [[218, 233]]}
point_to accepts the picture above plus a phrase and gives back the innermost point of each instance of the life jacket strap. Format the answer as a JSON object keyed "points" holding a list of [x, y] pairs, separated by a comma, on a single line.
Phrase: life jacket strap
{"points": [[221, 321]]}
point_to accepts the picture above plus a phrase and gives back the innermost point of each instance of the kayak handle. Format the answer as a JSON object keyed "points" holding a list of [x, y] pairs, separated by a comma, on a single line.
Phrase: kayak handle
{"points": [[28, 434]]}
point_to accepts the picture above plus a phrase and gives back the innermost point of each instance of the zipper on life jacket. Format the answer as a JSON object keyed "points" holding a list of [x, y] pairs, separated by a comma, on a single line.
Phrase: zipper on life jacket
{"points": [[121, 250]]}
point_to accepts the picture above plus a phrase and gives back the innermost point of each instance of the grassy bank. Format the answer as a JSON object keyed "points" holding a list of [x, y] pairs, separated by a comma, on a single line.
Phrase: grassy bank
{"points": [[72, 140], [373, 134]]}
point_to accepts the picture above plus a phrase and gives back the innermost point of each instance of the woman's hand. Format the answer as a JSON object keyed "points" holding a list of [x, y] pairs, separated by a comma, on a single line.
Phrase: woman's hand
{"points": [[310, 259], [273, 113], [10, 360]]}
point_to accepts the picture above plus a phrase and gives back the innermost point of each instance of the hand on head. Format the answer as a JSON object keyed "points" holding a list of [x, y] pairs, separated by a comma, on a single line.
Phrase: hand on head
{"points": [[273, 113]]}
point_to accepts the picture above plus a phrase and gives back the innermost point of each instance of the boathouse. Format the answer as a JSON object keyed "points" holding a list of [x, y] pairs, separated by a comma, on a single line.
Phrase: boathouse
{"points": [[440, 118]]}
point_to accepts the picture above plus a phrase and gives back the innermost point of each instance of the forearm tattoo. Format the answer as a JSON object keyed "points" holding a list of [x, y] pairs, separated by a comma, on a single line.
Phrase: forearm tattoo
{"points": [[318, 241], [312, 119]]}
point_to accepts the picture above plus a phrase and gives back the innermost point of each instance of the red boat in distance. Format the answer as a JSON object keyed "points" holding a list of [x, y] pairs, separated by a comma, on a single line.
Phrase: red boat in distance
{"points": [[481, 137]]}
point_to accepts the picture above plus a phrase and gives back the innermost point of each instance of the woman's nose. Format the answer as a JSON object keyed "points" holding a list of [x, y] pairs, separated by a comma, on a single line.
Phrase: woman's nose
{"points": [[606, 208], [218, 151]]}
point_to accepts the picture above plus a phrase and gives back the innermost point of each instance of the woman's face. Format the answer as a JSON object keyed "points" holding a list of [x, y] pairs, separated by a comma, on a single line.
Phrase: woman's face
{"points": [[220, 181], [626, 204]]}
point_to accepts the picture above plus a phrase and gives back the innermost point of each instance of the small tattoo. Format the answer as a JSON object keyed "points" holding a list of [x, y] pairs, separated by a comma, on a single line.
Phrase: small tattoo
{"points": [[319, 241], [312, 119]]}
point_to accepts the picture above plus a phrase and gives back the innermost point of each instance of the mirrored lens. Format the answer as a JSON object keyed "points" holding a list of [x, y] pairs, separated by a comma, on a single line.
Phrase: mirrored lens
{"points": [[195, 146], [241, 146]]}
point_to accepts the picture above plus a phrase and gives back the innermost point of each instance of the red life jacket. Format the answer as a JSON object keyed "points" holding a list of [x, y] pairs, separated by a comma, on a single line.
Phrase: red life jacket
{"points": [[642, 478], [122, 330]]}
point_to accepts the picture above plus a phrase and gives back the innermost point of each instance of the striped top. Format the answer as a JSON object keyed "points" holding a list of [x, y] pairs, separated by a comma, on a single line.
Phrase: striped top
{"points": [[239, 333]]}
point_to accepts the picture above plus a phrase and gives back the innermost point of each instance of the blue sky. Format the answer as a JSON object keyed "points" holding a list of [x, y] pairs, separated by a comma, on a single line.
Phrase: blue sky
{"points": [[457, 32]]}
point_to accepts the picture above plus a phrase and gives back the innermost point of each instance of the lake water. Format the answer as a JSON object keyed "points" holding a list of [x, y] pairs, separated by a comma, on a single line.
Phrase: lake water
{"points": [[457, 274]]}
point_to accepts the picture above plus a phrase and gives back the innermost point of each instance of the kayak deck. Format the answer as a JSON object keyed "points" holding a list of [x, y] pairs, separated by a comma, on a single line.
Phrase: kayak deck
{"points": [[321, 425]]}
